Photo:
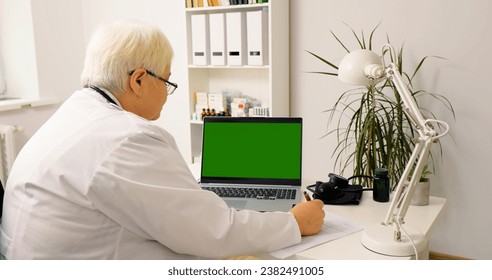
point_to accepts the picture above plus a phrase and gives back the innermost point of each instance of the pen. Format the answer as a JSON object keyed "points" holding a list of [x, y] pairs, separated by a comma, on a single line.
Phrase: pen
{"points": [[307, 196]]}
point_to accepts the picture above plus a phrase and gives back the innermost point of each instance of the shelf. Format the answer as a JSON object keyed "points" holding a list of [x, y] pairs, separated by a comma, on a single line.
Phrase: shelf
{"points": [[245, 67], [19, 103], [230, 8]]}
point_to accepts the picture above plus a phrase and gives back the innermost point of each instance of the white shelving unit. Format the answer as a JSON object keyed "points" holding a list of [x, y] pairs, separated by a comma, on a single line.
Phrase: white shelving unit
{"points": [[268, 83]]}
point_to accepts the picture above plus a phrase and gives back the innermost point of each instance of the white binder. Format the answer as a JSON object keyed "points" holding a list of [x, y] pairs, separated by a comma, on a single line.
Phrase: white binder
{"points": [[236, 38], [257, 37], [217, 39], [199, 39]]}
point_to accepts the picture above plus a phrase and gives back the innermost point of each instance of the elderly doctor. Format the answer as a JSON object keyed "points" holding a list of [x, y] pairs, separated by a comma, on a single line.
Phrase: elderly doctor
{"points": [[100, 181]]}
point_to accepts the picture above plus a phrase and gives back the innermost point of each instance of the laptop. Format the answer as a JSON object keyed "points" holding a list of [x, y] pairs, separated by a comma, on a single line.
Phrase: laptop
{"points": [[253, 162]]}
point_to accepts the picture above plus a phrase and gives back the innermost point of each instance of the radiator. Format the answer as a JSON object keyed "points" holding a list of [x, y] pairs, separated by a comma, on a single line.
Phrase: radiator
{"points": [[7, 149]]}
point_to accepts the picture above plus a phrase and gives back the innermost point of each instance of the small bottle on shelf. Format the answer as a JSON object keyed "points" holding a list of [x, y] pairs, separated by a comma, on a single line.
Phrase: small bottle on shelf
{"points": [[204, 113]]}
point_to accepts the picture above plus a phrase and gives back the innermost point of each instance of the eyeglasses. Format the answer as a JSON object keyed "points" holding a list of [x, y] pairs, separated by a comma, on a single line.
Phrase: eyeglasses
{"points": [[171, 87]]}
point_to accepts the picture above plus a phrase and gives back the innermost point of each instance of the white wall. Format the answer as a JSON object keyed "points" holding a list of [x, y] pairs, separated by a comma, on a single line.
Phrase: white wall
{"points": [[59, 46], [17, 48], [456, 30]]}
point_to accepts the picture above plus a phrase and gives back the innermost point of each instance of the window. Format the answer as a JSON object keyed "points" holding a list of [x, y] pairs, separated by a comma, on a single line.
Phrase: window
{"points": [[19, 66]]}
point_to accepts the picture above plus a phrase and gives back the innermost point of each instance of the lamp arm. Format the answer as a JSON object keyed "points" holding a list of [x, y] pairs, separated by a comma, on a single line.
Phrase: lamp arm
{"points": [[418, 159], [411, 108], [403, 195]]}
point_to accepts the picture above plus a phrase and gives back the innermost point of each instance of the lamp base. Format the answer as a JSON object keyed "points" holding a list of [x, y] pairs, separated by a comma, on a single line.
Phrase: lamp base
{"points": [[380, 239]]}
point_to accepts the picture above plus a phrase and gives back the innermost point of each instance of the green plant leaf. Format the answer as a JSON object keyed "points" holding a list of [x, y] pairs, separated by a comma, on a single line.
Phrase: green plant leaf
{"points": [[324, 60], [370, 123], [336, 38], [372, 35]]}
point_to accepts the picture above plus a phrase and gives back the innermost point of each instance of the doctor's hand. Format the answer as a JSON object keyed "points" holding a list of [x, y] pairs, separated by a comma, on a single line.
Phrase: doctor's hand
{"points": [[309, 216]]}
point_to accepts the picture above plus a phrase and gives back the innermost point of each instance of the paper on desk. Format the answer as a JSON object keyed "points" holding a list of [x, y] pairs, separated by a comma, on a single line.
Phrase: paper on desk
{"points": [[334, 228]]}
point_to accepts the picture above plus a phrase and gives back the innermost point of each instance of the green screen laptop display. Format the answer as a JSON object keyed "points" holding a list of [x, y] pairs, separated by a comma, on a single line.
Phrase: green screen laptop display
{"points": [[252, 150]]}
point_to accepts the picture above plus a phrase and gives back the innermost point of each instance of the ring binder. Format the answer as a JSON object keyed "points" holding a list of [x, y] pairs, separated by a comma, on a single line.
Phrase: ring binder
{"points": [[200, 39], [257, 37], [217, 39], [236, 39]]}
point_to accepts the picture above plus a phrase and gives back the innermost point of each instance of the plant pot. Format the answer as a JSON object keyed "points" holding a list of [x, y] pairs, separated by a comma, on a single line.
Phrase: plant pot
{"points": [[421, 194]]}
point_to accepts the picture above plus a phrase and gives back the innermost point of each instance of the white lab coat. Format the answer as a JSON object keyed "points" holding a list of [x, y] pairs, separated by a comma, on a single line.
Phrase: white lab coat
{"points": [[97, 182]]}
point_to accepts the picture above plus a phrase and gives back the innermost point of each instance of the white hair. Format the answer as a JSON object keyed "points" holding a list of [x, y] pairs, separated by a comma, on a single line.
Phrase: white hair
{"points": [[117, 48]]}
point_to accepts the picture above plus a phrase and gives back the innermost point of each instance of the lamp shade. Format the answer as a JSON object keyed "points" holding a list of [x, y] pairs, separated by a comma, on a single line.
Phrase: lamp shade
{"points": [[355, 65]]}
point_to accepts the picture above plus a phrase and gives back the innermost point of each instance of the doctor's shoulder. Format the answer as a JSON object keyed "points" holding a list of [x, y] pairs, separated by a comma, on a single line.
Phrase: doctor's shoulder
{"points": [[154, 131]]}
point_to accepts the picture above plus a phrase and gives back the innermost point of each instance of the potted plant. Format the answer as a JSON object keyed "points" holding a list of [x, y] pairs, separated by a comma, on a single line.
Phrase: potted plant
{"points": [[422, 189], [369, 122]]}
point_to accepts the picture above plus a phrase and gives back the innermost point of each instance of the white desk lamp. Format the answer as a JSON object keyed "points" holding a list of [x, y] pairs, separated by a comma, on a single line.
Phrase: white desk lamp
{"points": [[364, 67]]}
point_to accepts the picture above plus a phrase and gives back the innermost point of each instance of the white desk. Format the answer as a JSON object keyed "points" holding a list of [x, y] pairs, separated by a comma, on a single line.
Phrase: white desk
{"points": [[422, 218]]}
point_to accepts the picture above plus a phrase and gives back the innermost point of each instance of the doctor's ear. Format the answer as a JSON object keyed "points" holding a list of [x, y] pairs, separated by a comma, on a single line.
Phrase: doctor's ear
{"points": [[136, 79]]}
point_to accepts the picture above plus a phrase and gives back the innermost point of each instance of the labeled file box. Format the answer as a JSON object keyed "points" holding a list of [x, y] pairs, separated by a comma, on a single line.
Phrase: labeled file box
{"points": [[218, 55], [236, 38], [257, 37], [200, 39]]}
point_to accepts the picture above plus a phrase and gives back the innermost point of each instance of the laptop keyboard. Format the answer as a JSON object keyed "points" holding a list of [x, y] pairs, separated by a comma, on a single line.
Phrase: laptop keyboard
{"points": [[258, 193]]}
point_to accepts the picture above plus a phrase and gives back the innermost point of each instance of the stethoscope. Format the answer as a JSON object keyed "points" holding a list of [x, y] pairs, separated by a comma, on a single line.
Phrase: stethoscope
{"points": [[101, 92]]}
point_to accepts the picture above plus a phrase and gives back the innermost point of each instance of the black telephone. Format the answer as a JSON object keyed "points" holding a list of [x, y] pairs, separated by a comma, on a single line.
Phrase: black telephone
{"points": [[337, 190]]}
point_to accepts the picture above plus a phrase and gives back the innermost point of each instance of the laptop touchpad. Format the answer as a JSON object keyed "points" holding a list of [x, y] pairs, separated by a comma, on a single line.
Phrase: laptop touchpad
{"points": [[237, 204]]}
